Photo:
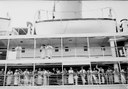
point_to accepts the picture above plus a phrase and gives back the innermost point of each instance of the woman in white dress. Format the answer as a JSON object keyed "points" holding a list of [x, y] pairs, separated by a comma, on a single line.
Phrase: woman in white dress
{"points": [[49, 50], [43, 51], [82, 74], [102, 76], [89, 76], [76, 77], [123, 80], [26, 77], [70, 77], [39, 78], [45, 75], [116, 76], [94, 76], [9, 78], [18, 52], [16, 78]]}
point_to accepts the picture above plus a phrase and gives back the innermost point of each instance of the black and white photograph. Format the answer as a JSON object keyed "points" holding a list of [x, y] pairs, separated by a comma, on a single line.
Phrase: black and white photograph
{"points": [[63, 44]]}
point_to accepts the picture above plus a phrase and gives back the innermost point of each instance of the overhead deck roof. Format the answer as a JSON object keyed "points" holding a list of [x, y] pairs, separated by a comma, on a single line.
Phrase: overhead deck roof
{"points": [[62, 35], [75, 19], [66, 61]]}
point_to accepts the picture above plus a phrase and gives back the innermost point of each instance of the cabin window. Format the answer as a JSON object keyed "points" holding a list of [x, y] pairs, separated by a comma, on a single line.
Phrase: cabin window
{"points": [[103, 48], [56, 49], [85, 48], [66, 49], [23, 50], [13, 49]]}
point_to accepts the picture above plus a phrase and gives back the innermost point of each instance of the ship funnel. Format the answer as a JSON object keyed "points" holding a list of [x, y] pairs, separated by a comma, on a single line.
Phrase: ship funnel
{"points": [[67, 9]]}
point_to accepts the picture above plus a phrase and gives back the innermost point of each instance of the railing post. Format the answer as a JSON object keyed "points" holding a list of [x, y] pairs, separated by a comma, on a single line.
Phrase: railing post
{"points": [[33, 74], [34, 48], [88, 47], [75, 48], [61, 47], [7, 54], [62, 75], [116, 46], [5, 75]]}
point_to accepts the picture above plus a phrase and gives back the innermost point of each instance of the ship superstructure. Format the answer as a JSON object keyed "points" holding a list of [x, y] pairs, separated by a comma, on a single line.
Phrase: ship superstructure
{"points": [[66, 50]]}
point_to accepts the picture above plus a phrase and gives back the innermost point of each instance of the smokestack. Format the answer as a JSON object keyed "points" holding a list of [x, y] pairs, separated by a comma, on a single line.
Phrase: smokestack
{"points": [[68, 9]]}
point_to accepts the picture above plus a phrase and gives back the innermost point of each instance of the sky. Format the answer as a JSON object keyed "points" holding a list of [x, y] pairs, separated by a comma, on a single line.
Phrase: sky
{"points": [[22, 11]]}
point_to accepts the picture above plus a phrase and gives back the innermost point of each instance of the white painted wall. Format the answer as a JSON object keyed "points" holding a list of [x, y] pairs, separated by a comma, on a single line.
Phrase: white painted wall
{"points": [[76, 26]]}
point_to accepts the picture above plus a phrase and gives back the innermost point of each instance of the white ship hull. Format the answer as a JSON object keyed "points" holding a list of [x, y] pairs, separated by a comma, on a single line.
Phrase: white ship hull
{"points": [[76, 26], [119, 86]]}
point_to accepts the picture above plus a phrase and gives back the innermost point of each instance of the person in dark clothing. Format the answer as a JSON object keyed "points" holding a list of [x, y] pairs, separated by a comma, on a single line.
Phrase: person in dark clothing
{"points": [[1, 77]]}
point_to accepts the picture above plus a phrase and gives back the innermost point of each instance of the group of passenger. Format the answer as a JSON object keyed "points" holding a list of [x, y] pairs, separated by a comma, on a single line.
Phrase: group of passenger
{"points": [[96, 76], [46, 51], [28, 77], [19, 77], [71, 76]]}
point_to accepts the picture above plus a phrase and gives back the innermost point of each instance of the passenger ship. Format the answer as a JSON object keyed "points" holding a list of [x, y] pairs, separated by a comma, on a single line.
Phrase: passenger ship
{"points": [[71, 44]]}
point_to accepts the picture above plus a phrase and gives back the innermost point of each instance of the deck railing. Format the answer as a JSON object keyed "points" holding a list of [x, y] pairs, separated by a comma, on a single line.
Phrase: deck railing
{"points": [[63, 79], [74, 52], [121, 51]]}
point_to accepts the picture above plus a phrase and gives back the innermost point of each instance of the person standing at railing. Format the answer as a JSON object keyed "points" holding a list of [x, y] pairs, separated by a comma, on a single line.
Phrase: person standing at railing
{"points": [[82, 75], [76, 77], [89, 76], [101, 75], [127, 75], [16, 78], [58, 74], [40, 78], [31, 80], [49, 50], [94, 76], [9, 78], [21, 78], [65, 76], [70, 76], [1, 77], [109, 76], [26, 77], [18, 50], [45, 77], [35, 76], [122, 75], [116, 76], [43, 51]]}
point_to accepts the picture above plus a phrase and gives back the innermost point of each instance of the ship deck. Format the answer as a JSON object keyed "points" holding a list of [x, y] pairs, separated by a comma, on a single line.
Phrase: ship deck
{"points": [[116, 86], [66, 60]]}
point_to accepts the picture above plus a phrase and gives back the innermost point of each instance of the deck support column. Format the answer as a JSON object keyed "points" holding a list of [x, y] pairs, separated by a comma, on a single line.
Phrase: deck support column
{"points": [[7, 54], [61, 47], [113, 47], [114, 51], [33, 74], [34, 48], [88, 47], [5, 75]]}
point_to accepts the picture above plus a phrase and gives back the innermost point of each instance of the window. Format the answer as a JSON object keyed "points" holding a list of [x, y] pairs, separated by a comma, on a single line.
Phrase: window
{"points": [[103, 48], [13, 49], [56, 49], [85, 48], [66, 49], [23, 50]]}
